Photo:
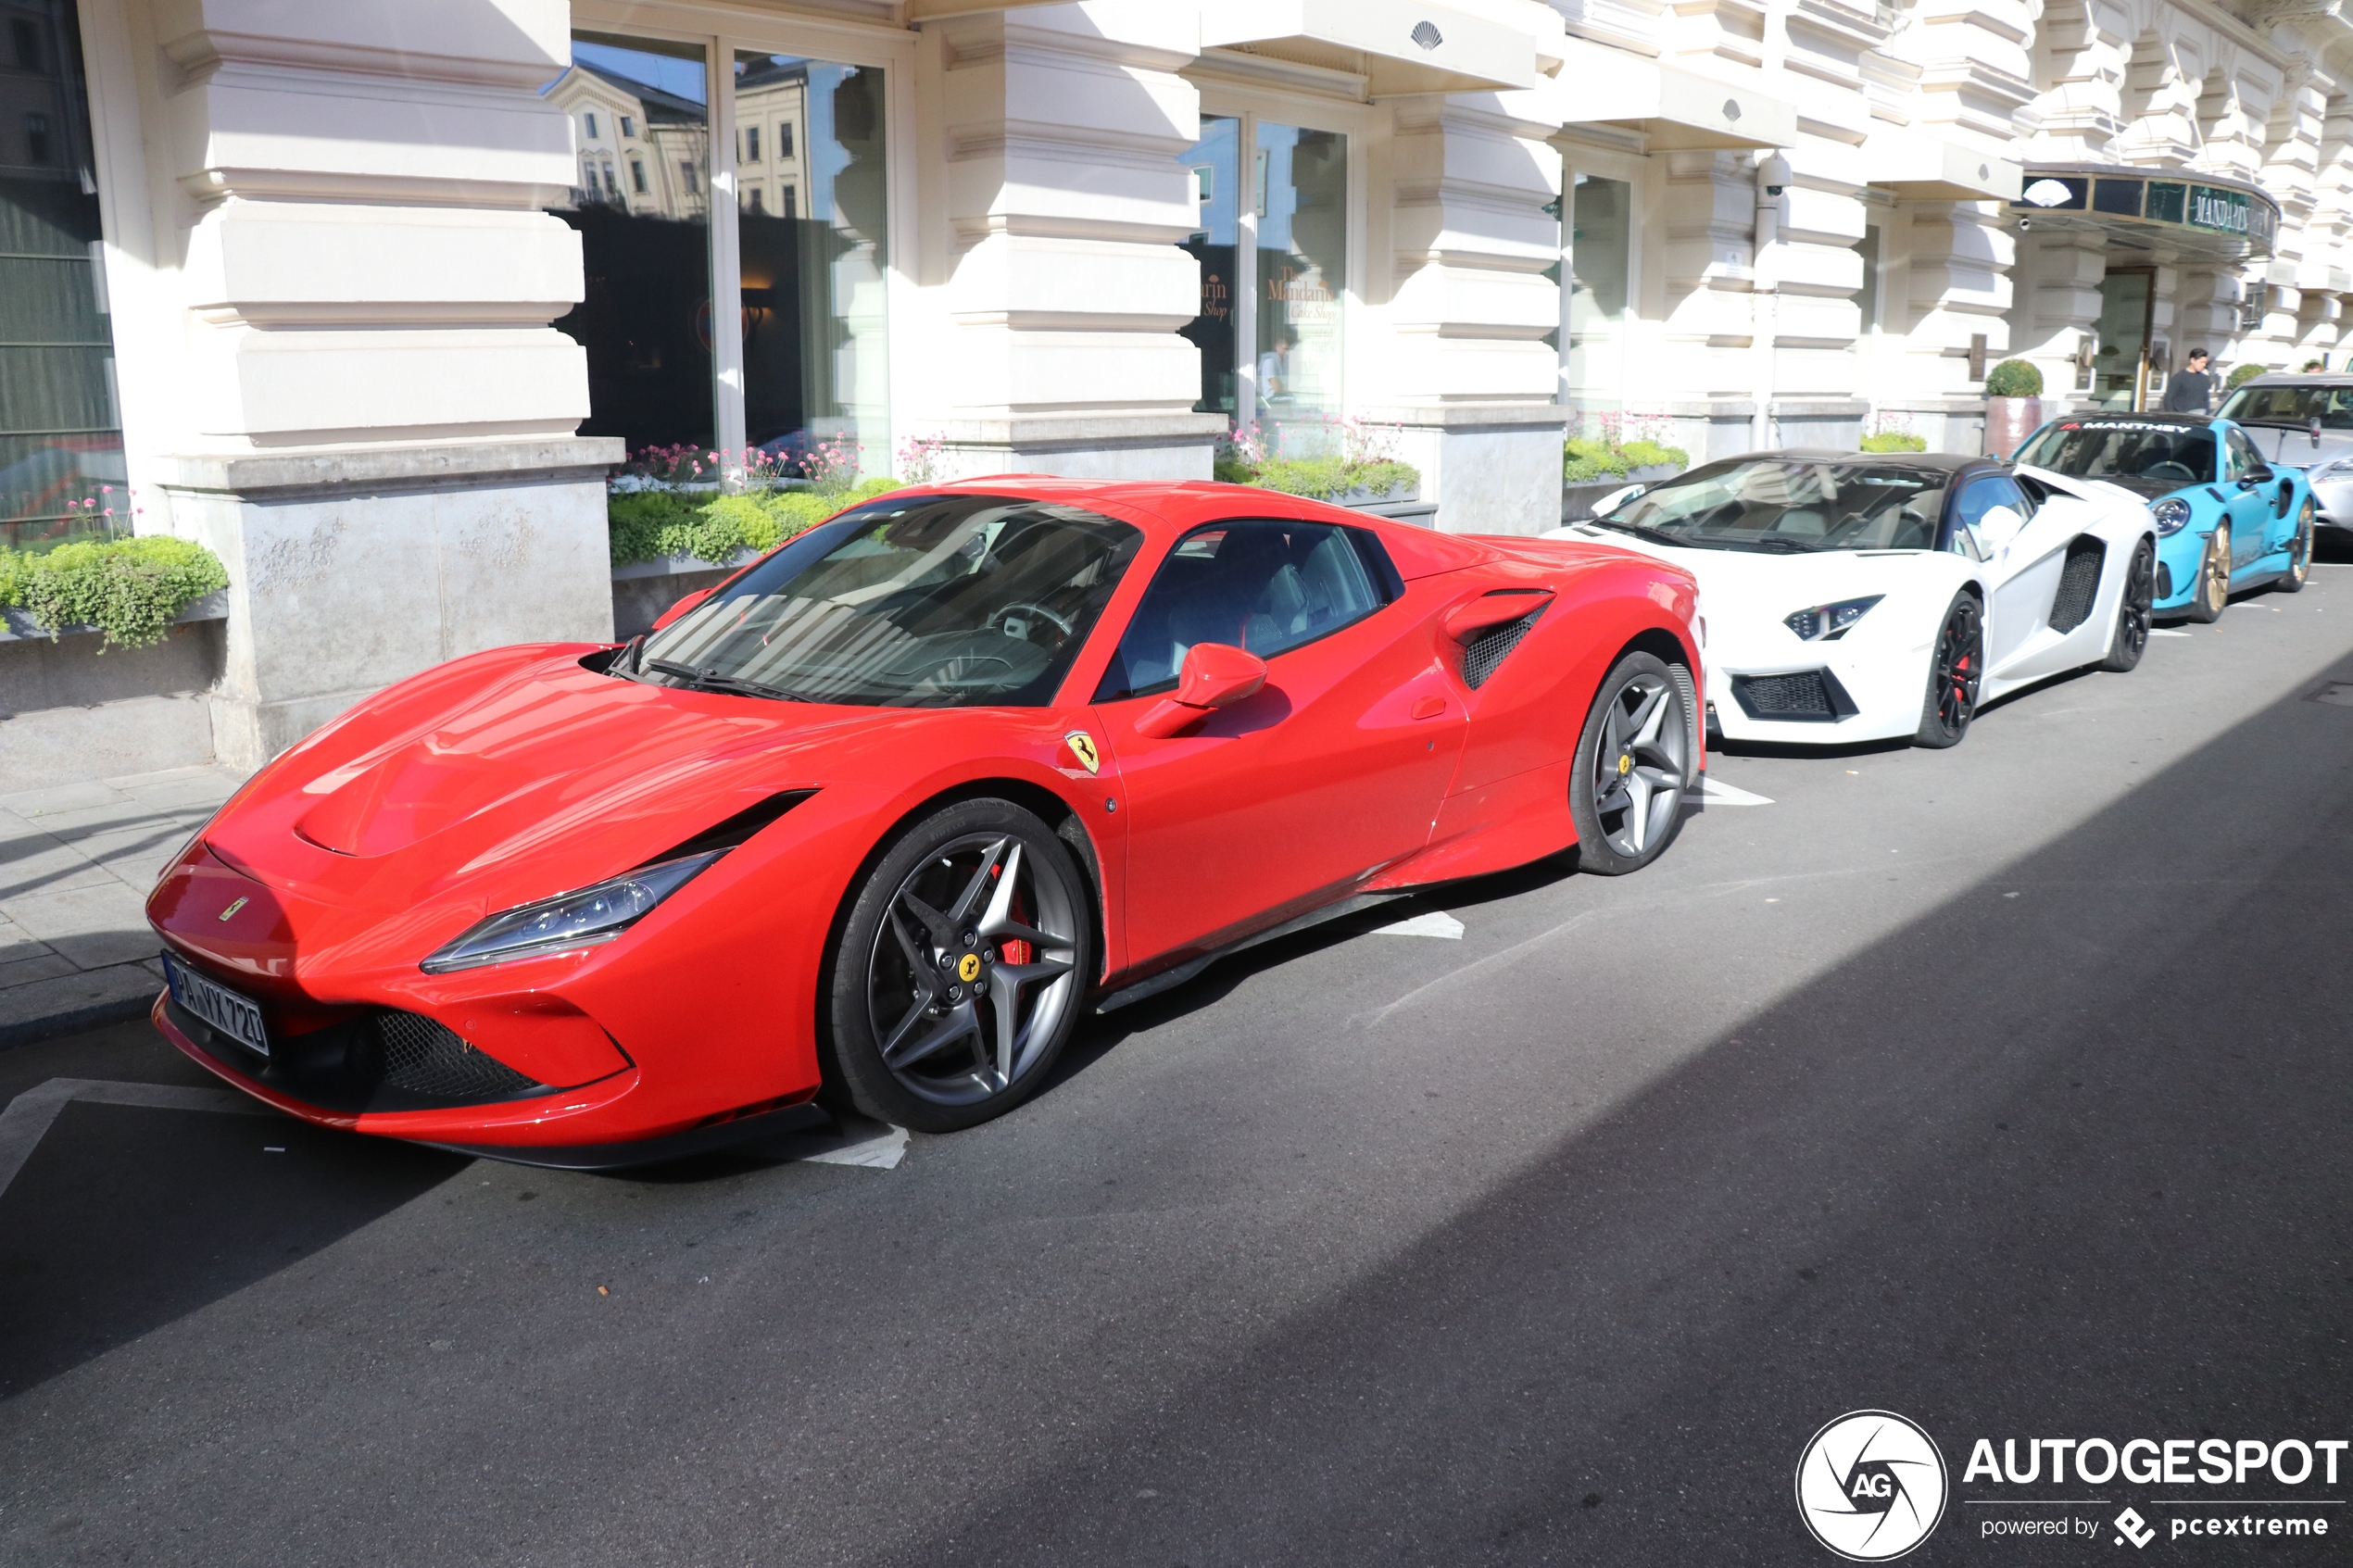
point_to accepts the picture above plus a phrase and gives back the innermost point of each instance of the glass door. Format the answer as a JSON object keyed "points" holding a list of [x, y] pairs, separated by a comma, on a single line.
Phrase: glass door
{"points": [[2119, 366]]}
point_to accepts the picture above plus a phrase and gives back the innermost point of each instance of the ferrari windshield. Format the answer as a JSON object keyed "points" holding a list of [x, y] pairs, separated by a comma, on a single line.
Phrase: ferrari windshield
{"points": [[1789, 505], [2295, 407], [2141, 453], [933, 601]]}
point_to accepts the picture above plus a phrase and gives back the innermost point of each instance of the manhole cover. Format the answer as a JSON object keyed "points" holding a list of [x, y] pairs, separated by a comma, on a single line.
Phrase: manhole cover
{"points": [[2337, 692]]}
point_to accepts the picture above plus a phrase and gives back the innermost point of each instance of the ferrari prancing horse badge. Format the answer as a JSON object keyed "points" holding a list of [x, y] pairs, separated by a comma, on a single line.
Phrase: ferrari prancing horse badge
{"points": [[1082, 745]]}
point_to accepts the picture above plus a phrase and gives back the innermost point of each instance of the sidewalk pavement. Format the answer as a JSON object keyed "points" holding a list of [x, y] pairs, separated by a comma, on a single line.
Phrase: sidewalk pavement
{"points": [[76, 863]]}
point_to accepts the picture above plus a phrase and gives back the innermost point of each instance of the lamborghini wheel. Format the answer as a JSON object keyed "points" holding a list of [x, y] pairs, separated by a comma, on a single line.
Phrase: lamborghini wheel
{"points": [[2132, 636], [2213, 595], [1956, 665], [1633, 763], [2299, 552], [958, 974]]}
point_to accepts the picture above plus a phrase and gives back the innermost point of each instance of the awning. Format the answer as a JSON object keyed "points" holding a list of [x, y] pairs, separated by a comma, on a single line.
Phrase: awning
{"points": [[1676, 109], [1397, 45], [1921, 166], [2140, 208]]}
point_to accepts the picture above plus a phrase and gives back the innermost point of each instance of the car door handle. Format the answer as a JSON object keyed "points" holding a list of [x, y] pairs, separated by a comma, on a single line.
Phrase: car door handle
{"points": [[1430, 707]]}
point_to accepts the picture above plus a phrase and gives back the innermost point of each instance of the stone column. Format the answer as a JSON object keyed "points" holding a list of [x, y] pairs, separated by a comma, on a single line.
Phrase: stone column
{"points": [[1463, 363], [1703, 375], [2058, 311], [336, 287], [1061, 283]]}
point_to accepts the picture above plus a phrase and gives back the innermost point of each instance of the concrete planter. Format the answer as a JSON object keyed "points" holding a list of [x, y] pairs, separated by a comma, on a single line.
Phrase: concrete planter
{"points": [[2008, 421], [17, 626], [1576, 500]]}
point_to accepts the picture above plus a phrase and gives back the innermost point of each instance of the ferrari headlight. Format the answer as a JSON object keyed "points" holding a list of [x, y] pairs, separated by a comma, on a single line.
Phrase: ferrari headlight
{"points": [[569, 921], [1827, 623], [2172, 515]]}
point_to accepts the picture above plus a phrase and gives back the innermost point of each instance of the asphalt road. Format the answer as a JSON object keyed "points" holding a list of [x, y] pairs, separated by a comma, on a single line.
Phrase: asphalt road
{"points": [[2004, 1087]]}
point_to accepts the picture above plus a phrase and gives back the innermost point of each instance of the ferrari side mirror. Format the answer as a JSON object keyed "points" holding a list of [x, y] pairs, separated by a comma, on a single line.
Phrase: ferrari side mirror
{"points": [[1215, 675], [681, 607]]}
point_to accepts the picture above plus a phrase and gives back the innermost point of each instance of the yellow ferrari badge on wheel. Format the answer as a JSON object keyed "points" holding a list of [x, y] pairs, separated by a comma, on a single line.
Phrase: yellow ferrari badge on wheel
{"points": [[968, 969], [1082, 745]]}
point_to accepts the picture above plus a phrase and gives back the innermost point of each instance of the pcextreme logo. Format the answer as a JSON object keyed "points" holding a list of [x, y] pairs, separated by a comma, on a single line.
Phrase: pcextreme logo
{"points": [[1871, 1485]]}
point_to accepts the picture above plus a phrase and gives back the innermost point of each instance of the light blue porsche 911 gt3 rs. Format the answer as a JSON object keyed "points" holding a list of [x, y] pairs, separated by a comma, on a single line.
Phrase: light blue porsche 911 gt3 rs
{"points": [[2226, 520]]}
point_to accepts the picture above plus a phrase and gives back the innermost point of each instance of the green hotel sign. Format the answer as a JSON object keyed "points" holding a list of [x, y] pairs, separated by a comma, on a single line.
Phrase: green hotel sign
{"points": [[2220, 212], [2240, 221]]}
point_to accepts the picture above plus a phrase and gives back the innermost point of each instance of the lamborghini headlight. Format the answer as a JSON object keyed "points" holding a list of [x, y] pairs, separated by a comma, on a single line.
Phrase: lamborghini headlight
{"points": [[579, 918], [2172, 515], [1827, 623]]}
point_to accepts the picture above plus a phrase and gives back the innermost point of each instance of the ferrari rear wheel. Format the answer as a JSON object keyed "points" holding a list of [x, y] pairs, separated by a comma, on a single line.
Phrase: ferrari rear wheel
{"points": [[2132, 636], [2213, 595], [1633, 763], [2299, 552], [958, 976], [1956, 665]]}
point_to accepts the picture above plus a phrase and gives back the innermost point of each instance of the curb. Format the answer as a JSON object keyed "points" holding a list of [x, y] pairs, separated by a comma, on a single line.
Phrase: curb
{"points": [[133, 986]]}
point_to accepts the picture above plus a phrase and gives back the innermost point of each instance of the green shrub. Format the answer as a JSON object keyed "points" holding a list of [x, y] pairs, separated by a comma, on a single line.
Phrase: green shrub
{"points": [[1589, 459], [649, 524], [1894, 441], [2014, 378], [1325, 479], [131, 589], [2244, 373]]}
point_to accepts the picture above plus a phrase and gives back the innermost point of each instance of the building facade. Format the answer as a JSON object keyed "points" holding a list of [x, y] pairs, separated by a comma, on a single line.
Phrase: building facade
{"points": [[373, 299]]}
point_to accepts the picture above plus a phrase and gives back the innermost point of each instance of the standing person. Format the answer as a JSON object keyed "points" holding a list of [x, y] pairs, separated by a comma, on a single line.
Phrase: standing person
{"points": [[2190, 391]]}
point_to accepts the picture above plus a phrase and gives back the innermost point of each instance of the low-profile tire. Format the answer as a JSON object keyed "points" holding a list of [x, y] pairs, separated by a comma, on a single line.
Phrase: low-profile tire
{"points": [[1955, 669], [2213, 595], [2130, 638], [2299, 551], [960, 972], [1635, 762]]}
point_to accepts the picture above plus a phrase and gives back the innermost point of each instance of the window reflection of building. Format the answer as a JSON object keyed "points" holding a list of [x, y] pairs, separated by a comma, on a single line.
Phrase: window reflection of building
{"points": [[60, 435], [668, 161]]}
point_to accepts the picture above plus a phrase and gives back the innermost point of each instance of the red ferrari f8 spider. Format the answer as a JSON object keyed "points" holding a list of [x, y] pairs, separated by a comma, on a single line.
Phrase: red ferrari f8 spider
{"points": [[884, 814]]}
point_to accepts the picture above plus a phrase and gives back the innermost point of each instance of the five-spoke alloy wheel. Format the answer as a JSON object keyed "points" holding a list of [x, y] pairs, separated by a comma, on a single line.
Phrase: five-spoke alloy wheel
{"points": [[957, 976], [1633, 763], [2213, 595]]}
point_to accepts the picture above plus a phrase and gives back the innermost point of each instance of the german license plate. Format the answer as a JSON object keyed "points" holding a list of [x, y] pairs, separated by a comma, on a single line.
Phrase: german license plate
{"points": [[217, 1005]]}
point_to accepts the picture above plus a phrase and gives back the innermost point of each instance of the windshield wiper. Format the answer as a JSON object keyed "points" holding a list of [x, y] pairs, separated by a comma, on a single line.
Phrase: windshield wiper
{"points": [[712, 679], [1655, 535], [1780, 542]]}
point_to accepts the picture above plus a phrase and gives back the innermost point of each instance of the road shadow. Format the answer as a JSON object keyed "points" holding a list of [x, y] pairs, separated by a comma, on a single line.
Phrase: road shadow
{"points": [[2069, 1154], [126, 1218]]}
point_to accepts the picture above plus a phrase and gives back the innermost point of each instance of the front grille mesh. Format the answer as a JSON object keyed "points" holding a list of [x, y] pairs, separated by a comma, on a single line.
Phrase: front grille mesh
{"points": [[1801, 695], [416, 1054], [1485, 653], [2079, 584]]}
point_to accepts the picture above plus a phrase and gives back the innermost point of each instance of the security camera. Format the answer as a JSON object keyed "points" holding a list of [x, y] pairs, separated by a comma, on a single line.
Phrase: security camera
{"points": [[2024, 224]]}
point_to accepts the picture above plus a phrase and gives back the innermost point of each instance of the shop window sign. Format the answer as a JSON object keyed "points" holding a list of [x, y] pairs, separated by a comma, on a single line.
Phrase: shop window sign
{"points": [[2224, 212]]}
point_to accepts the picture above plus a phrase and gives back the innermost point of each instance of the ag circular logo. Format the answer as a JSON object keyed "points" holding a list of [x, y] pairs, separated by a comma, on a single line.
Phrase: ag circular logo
{"points": [[1870, 1485]]}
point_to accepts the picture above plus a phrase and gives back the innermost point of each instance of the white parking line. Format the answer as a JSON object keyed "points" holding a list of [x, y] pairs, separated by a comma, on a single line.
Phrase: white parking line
{"points": [[2161, 632], [1443, 926], [1715, 792]]}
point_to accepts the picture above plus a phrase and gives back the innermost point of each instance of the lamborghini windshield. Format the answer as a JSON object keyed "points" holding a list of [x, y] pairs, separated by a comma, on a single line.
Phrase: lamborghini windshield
{"points": [[2145, 455], [933, 601], [1789, 505]]}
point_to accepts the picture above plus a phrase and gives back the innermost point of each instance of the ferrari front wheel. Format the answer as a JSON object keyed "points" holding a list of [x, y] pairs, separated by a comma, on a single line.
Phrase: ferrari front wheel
{"points": [[1956, 665], [2299, 551], [2130, 638], [956, 977], [1633, 763], [2213, 595]]}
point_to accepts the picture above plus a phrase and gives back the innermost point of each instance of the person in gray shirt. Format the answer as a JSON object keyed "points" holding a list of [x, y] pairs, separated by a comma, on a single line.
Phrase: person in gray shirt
{"points": [[2190, 391]]}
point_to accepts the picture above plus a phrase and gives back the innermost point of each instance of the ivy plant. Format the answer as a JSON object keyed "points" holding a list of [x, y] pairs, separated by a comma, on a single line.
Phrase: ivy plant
{"points": [[129, 589]]}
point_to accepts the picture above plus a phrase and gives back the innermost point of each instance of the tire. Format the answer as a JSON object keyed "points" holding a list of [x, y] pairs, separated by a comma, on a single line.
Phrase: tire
{"points": [[2299, 552], [1956, 671], [2130, 638], [2213, 595], [1633, 762], [960, 972]]}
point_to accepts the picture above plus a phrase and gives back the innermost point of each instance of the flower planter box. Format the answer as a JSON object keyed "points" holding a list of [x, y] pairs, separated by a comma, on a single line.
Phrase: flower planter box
{"points": [[1576, 500], [17, 626]]}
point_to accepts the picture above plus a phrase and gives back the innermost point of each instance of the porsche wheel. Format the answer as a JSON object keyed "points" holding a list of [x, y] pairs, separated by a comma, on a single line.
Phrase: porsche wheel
{"points": [[1633, 762], [2132, 634], [1956, 665], [957, 978], [2213, 595], [2299, 552]]}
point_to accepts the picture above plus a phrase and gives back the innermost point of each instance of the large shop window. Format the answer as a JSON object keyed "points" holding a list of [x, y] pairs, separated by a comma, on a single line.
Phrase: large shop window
{"points": [[1600, 255], [61, 465], [1273, 247], [809, 233]]}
